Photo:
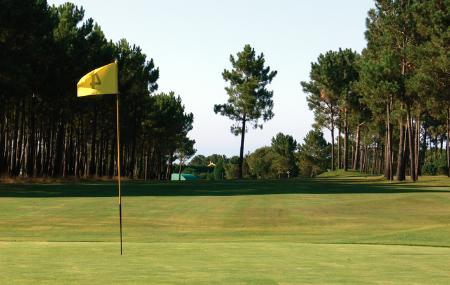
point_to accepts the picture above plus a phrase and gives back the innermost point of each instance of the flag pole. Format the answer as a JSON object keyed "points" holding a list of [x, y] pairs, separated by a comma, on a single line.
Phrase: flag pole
{"points": [[118, 169]]}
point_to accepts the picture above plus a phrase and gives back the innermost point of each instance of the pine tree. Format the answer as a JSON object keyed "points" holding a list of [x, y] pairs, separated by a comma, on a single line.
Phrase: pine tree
{"points": [[249, 100]]}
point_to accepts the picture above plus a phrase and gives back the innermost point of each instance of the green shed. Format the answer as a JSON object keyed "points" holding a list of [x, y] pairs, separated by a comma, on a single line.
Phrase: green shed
{"points": [[184, 177]]}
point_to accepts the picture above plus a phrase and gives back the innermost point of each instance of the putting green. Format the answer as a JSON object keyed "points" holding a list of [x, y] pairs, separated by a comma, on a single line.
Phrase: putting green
{"points": [[352, 230], [221, 263]]}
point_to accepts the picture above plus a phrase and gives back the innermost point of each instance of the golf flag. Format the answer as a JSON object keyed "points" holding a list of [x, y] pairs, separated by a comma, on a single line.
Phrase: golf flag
{"points": [[102, 80]]}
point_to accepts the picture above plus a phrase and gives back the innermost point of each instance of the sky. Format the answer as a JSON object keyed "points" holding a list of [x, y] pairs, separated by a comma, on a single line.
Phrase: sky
{"points": [[191, 43]]}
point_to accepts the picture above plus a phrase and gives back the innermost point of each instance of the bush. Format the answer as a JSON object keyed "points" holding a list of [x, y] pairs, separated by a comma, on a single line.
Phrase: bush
{"points": [[435, 166], [219, 171], [260, 163], [313, 155], [231, 171], [210, 176]]}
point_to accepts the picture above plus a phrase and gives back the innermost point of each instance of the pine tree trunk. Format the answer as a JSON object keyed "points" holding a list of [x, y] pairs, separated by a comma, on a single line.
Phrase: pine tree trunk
{"points": [[356, 156], [339, 144], [241, 152], [112, 156], [65, 152], [345, 140], [405, 148], [2, 139], [332, 145], [40, 152], [352, 153], [15, 129], [179, 170], [8, 147], [417, 147], [92, 163], [59, 147], [423, 149], [20, 143], [145, 166], [448, 142], [361, 161], [375, 160], [169, 167], [411, 140], [390, 153], [436, 147], [101, 152], [31, 140], [400, 155], [388, 145], [77, 153]]}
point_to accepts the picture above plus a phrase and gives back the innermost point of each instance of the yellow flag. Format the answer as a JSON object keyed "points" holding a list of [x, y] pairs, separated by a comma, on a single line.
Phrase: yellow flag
{"points": [[102, 80]]}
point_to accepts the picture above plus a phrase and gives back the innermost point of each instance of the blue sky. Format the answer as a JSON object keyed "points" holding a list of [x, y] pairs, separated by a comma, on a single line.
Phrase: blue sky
{"points": [[191, 41]]}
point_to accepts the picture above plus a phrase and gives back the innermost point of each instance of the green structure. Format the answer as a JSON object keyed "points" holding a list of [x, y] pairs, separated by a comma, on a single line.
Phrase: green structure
{"points": [[184, 177]]}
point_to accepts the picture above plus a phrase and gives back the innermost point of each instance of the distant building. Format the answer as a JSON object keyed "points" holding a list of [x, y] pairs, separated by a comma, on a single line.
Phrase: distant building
{"points": [[184, 177]]}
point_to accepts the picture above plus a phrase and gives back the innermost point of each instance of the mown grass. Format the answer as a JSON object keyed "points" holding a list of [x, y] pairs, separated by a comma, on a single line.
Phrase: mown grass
{"points": [[334, 229]]}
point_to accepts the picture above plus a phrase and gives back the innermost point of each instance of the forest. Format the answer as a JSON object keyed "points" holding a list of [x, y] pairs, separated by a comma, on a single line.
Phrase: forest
{"points": [[389, 105], [46, 131], [385, 110]]}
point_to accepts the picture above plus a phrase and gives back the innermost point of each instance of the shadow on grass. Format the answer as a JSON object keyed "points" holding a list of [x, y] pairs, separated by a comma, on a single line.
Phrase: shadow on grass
{"points": [[220, 188]]}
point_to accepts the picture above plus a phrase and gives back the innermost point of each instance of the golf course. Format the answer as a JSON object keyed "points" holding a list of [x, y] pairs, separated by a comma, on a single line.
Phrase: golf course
{"points": [[340, 229], [229, 142]]}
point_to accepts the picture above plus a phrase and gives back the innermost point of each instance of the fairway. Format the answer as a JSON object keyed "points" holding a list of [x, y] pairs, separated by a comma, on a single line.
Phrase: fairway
{"points": [[346, 230]]}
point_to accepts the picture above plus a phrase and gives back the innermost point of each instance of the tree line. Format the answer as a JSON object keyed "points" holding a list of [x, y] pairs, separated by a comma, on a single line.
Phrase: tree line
{"points": [[284, 158], [387, 109], [46, 131], [390, 105]]}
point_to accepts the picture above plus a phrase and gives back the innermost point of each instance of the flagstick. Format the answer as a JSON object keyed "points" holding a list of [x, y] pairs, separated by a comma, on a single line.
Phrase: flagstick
{"points": [[118, 169]]}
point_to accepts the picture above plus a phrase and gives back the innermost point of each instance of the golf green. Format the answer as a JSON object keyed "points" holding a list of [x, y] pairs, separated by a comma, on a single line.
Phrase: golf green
{"points": [[334, 230]]}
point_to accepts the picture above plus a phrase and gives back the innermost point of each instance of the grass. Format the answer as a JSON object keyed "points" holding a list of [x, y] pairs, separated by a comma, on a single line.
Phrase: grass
{"points": [[340, 173], [337, 229]]}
